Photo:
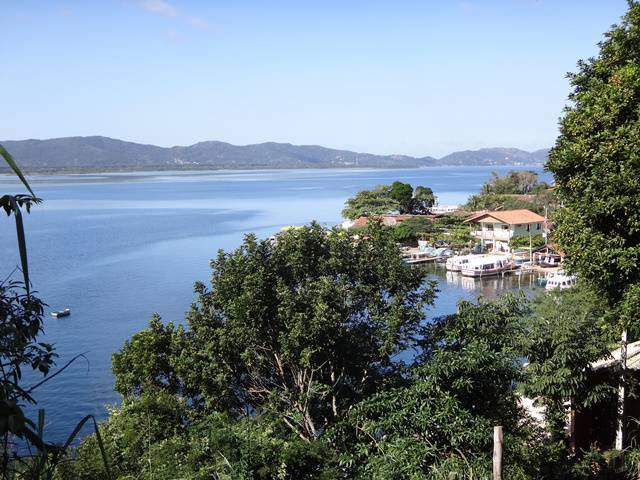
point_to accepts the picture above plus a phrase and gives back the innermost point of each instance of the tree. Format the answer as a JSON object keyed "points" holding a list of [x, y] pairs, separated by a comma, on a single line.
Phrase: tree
{"points": [[516, 190], [515, 182], [440, 422], [385, 199], [566, 333], [534, 241], [541, 203], [301, 329], [370, 203], [596, 164], [150, 440], [402, 193], [423, 200], [411, 229]]}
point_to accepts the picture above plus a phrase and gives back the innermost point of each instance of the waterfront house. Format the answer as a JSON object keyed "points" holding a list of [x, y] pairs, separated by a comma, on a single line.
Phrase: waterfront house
{"points": [[496, 229]]}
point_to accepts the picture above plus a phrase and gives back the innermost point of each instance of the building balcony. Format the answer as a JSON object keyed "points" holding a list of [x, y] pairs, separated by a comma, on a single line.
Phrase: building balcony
{"points": [[502, 235]]}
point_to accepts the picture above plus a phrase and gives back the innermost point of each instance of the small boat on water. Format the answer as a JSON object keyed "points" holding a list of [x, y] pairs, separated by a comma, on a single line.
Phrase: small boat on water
{"points": [[560, 281], [61, 313], [420, 257], [487, 265], [443, 253], [455, 263]]}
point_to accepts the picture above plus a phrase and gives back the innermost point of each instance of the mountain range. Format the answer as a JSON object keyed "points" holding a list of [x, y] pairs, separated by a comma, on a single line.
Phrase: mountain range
{"points": [[107, 154]]}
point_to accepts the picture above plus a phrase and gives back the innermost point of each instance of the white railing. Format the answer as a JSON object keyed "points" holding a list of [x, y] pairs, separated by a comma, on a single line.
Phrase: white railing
{"points": [[504, 235]]}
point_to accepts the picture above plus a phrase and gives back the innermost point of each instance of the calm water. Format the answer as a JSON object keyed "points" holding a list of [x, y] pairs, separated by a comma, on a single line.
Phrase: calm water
{"points": [[116, 248]]}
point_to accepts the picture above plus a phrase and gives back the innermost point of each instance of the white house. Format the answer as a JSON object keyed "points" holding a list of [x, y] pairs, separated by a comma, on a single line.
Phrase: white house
{"points": [[496, 229]]}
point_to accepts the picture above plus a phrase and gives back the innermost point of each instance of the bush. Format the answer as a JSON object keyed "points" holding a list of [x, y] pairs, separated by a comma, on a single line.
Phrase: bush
{"points": [[524, 242], [412, 229]]}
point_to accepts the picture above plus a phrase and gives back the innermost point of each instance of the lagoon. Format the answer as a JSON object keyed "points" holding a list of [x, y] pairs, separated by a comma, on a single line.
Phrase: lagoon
{"points": [[115, 248]]}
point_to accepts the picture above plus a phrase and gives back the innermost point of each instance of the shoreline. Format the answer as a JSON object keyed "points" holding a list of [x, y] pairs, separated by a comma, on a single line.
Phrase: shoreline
{"points": [[212, 169]]}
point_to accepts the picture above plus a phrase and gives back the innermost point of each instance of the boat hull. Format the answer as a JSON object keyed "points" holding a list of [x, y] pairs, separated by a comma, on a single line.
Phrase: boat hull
{"points": [[483, 273], [489, 267]]}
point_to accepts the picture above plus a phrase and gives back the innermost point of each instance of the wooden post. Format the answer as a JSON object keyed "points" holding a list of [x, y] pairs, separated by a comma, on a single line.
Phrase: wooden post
{"points": [[497, 453], [620, 430]]}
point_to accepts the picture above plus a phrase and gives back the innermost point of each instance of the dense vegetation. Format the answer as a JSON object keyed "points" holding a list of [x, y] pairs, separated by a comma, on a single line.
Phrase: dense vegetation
{"points": [[596, 161], [222, 399], [395, 198], [516, 190], [514, 183], [449, 229]]}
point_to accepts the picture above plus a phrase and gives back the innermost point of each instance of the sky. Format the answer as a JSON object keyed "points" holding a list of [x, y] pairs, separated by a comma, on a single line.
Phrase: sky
{"points": [[409, 77]]}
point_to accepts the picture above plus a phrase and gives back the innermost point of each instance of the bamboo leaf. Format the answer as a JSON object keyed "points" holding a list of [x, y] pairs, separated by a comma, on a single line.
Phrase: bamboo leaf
{"points": [[22, 243], [103, 452], [14, 166]]}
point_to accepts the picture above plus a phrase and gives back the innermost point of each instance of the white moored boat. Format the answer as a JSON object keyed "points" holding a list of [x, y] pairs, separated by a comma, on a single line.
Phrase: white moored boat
{"points": [[560, 281], [455, 263], [487, 265]]}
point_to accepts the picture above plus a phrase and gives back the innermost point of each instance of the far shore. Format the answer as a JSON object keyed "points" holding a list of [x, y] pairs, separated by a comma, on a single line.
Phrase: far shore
{"points": [[175, 169]]}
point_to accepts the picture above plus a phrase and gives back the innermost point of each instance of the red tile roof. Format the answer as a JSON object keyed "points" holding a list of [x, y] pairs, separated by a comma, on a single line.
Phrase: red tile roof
{"points": [[510, 217]]}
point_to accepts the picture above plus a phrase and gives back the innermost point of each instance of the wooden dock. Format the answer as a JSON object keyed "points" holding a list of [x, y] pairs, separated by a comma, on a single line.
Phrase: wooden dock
{"points": [[414, 256]]}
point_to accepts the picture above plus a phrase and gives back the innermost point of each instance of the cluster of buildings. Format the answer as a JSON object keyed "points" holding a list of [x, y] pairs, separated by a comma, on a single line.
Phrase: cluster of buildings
{"points": [[494, 230]]}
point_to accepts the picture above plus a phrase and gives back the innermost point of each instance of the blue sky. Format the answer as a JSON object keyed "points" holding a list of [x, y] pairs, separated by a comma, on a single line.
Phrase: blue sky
{"points": [[413, 77]]}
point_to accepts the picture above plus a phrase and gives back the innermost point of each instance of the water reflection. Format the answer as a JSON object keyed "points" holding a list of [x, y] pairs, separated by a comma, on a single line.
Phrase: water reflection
{"points": [[453, 287]]}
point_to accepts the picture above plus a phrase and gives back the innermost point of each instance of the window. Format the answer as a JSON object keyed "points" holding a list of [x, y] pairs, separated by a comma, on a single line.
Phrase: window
{"points": [[505, 227], [490, 226], [538, 226], [528, 227]]}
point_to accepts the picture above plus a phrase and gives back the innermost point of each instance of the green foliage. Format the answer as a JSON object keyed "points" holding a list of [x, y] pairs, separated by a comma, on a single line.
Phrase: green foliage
{"points": [[12, 204], [131, 428], [385, 199], [516, 190], [302, 328], [370, 203], [515, 182], [412, 229], [214, 446], [423, 200], [596, 163], [524, 242], [452, 230], [21, 319], [442, 418], [402, 193], [541, 203], [155, 350], [567, 331]]}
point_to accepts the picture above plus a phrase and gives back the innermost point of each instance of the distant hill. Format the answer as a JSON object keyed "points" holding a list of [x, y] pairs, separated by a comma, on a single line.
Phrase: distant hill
{"points": [[108, 154], [495, 156]]}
